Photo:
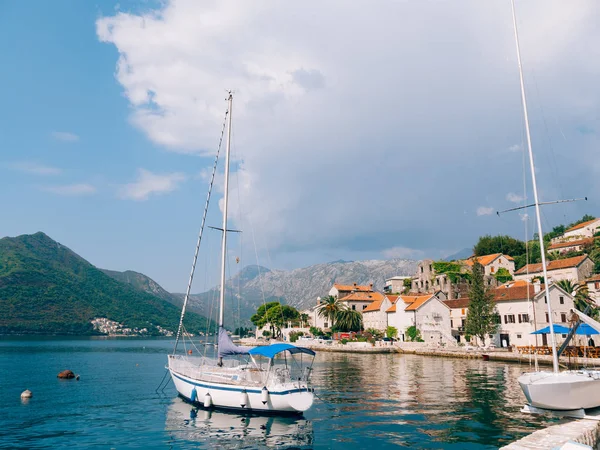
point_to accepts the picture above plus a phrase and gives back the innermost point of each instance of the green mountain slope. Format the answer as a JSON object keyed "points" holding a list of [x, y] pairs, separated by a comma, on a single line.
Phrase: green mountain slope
{"points": [[47, 288]]}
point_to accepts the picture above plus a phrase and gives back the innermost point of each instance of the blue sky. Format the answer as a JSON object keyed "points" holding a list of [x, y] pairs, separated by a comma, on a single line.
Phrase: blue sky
{"points": [[394, 134]]}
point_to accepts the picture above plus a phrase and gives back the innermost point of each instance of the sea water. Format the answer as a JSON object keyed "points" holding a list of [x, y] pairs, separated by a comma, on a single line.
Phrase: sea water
{"points": [[364, 401]]}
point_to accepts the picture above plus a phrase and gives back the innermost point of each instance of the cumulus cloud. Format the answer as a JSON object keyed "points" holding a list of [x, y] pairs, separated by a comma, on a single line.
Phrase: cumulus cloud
{"points": [[485, 211], [71, 189], [65, 136], [515, 148], [514, 198], [34, 168], [361, 134], [148, 183]]}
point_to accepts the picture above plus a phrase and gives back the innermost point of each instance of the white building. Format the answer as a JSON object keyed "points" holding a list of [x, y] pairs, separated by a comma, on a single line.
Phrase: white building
{"points": [[395, 284], [458, 317], [375, 316], [427, 312], [570, 246], [593, 285], [583, 230], [577, 268], [522, 309], [492, 263]]}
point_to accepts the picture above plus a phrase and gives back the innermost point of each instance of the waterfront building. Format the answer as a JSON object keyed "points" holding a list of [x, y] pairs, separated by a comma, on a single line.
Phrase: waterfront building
{"points": [[426, 312], [522, 309], [453, 284], [593, 285], [577, 268], [375, 316]]}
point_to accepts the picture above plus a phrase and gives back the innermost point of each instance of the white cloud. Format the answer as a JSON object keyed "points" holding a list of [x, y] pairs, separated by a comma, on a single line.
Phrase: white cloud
{"points": [[402, 253], [71, 189], [515, 148], [328, 133], [148, 183], [34, 168], [485, 211], [514, 198], [524, 217], [65, 136]]}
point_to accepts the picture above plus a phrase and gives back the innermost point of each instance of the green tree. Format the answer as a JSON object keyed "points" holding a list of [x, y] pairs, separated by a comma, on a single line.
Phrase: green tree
{"points": [[567, 285], [481, 316], [304, 319], [391, 332], [374, 332], [413, 334], [329, 308], [348, 320], [407, 283], [316, 331], [503, 275], [488, 245]]}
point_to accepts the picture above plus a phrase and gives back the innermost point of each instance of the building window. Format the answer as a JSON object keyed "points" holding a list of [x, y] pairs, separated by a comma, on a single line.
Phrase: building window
{"points": [[563, 317], [523, 318], [547, 320], [326, 325], [561, 300], [353, 307], [364, 306], [545, 299], [497, 319], [421, 269], [509, 318], [430, 268], [492, 269], [597, 284], [451, 323], [462, 311], [519, 336]]}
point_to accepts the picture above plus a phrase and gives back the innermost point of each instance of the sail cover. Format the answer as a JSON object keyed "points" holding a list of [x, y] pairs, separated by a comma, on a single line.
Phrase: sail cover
{"points": [[227, 347]]}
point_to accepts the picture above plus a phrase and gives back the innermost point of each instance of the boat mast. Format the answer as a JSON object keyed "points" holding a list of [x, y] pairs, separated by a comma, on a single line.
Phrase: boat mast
{"points": [[225, 202], [535, 193]]}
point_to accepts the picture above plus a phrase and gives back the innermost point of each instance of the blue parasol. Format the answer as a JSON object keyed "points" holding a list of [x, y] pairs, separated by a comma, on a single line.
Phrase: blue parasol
{"points": [[558, 329]]}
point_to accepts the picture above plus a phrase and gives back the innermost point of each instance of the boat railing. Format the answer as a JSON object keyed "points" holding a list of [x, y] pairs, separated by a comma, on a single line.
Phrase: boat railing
{"points": [[231, 372]]}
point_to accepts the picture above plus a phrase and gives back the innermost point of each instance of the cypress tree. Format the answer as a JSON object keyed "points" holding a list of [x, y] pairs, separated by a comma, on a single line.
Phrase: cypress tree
{"points": [[482, 314]]}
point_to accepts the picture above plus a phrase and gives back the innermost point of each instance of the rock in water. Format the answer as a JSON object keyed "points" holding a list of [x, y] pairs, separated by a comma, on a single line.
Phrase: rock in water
{"points": [[66, 374], [26, 394]]}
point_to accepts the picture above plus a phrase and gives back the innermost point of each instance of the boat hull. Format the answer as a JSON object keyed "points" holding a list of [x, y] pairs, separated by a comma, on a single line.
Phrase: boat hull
{"points": [[232, 397], [562, 391]]}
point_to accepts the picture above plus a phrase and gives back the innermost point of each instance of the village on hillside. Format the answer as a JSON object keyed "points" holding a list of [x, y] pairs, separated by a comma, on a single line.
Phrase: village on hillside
{"points": [[432, 305]]}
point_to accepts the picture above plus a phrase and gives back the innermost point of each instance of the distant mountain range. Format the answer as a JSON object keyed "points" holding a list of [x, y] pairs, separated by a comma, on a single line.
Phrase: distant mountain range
{"points": [[461, 254], [300, 288], [46, 288]]}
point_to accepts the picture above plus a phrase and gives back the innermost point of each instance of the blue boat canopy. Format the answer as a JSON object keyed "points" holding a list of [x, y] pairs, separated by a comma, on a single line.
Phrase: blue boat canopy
{"points": [[271, 350]]}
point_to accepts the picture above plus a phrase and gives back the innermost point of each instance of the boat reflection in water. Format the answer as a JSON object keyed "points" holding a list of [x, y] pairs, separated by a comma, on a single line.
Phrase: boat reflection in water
{"points": [[212, 428]]}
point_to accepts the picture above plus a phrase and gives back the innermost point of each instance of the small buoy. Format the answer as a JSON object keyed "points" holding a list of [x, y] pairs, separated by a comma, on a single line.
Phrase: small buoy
{"points": [[244, 399], [207, 400], [264, 395], [194, 395], [26, 394], [66, 374], [189, 351]]}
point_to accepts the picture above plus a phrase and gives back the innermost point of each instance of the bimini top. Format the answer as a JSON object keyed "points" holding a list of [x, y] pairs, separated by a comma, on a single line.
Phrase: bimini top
{"points": [[271, 350]]}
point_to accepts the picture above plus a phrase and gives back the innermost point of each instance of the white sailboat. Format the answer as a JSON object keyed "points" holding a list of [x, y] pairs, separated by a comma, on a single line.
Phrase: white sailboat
{"points": [[571, 389], [266, 379]]}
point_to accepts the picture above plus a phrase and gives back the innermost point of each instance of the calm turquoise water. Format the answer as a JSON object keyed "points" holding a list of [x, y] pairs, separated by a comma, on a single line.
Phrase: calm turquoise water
{"points": [[376, 401]]}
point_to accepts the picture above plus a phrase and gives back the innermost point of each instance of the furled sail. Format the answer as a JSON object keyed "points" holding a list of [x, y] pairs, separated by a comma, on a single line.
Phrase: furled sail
{"points": [[227, 347]]}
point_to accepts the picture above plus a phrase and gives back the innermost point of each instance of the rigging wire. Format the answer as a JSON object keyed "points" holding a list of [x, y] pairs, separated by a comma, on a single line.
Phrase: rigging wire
{"points": [[210, 186]]}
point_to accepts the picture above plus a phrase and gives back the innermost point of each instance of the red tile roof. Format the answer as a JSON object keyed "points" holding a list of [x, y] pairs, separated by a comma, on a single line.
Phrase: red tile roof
{"points": [[375, 306], [514, 291], [552, 265], [571, 243], [593, 278], [418, 302], [457, 303], [581, 225], [391, 308], [362, 297], [352, 287], [486, 259]]}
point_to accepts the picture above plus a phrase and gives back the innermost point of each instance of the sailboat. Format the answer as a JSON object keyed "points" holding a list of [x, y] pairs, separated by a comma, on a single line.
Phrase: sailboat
{"points": [[265, 379], [558, 391]]}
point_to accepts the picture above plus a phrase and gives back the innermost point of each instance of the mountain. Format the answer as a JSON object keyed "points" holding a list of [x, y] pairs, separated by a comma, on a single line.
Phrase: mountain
{"points": [[46, 288], [461, 254], [143, 283], [299, 287]]}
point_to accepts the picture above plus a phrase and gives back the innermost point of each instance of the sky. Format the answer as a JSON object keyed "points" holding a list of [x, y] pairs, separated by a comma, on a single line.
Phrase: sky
{"points": [[360, 130]]}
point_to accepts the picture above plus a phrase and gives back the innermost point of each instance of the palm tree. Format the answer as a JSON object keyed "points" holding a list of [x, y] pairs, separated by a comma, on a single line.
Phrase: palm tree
{"points": [[567, 285], [304, 319], [329, 308], [348, 320]]}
